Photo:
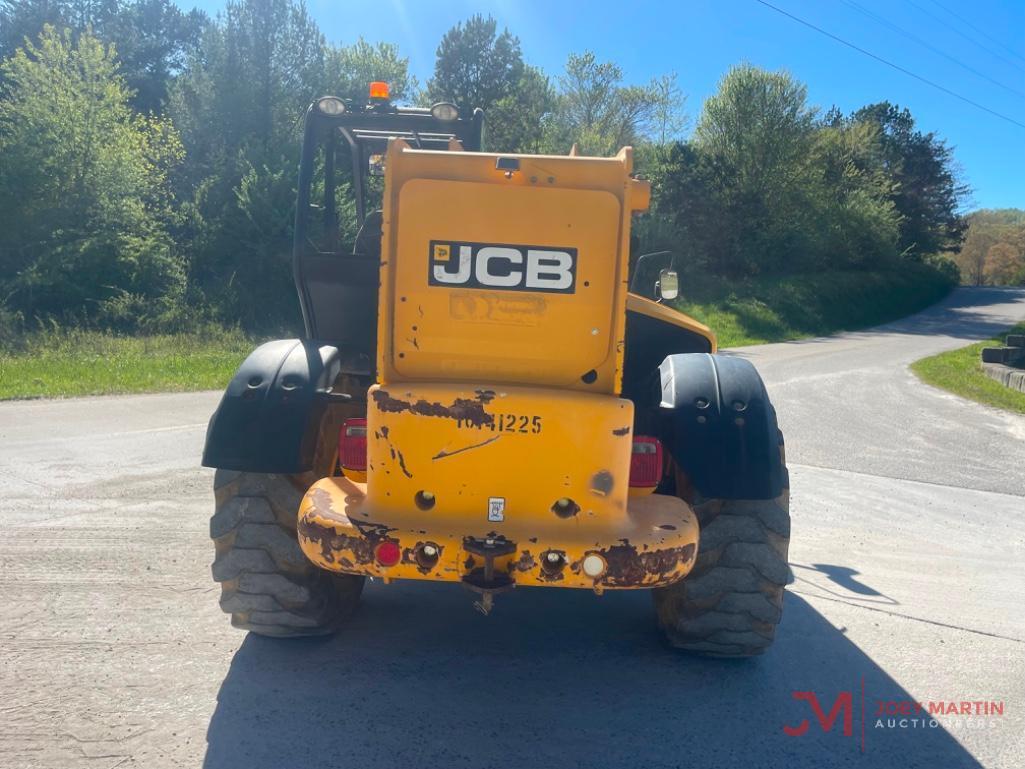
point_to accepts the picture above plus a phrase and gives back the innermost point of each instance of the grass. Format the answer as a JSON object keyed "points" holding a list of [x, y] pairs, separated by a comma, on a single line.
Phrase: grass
{"points": [[63, 363], [960, 372], [758, 311]]}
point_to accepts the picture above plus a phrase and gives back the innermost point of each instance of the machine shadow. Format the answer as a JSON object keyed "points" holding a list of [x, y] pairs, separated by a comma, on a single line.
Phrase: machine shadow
{"points": [[551, 678]]}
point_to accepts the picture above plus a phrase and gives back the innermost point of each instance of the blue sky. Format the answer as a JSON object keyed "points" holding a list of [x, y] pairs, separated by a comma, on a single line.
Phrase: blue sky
{"points": [[701, 39]]}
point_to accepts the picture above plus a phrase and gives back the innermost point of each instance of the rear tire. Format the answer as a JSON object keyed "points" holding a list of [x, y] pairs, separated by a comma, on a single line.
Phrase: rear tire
{"points": [[267, 585], [732, 601]]}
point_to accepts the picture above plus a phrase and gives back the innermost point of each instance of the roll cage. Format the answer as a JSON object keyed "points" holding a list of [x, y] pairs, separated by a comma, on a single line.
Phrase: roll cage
{"points": [[337, 283]]}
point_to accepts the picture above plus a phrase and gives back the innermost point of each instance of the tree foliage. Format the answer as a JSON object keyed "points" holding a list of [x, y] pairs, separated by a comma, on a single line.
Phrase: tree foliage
{"points": [[925, 187], [476, 65], [149, 158], [993, 252], [152, 37], [85, 203], [599, 113]]}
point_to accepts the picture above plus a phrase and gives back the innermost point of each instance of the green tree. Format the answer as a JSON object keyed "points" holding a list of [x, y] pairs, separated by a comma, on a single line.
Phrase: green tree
{"points": [[476, 66], [758, 128], [348, 70], [518, 121], [152, 37], [855, 219], [22, 20], [596, 111], [239, 105], [85, 202], [926, 190], [685, 215]]}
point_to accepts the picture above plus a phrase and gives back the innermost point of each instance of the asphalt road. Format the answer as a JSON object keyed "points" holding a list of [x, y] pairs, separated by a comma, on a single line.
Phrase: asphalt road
{"points": [[908, 555]]}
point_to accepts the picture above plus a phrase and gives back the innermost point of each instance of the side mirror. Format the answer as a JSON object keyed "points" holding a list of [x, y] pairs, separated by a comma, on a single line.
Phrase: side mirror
{"points": [[668, 284]]}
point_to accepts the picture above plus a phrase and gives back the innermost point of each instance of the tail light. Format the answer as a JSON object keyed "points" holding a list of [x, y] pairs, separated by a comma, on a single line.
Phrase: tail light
{"points": [[352, 444], [388, 553], [646, 462]]}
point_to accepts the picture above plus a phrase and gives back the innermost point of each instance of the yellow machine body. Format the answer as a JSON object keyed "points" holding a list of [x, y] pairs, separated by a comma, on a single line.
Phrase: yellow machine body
{"points": [[498, 449]]}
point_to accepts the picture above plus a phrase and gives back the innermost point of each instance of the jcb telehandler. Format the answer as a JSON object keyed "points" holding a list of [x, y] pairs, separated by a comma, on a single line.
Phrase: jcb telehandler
{"points": [[481, 399]]}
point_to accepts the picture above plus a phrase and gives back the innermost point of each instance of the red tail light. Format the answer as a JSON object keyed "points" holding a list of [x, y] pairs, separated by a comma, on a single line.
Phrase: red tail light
{"points": [[352, 444], [646, 462], [388, 553]]}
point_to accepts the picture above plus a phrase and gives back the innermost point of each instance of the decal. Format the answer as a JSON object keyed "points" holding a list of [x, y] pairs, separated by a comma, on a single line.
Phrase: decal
{"points": [[503, 267], [496, 509]]}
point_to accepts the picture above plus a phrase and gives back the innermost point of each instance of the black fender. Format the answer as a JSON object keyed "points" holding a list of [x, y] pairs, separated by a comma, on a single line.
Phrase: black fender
{"points": [[719, 426], [269, 418]]}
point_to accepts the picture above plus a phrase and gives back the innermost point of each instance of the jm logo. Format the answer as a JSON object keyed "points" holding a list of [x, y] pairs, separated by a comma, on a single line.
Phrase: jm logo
{"points": [[843, 703], [502, 266]]}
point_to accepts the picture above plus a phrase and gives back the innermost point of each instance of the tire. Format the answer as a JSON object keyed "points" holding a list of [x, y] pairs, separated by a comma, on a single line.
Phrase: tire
{"points": [[732, 601], [267, 585]]}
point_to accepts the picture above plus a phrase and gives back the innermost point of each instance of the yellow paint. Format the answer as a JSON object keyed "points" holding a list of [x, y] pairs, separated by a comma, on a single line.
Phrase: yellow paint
{"points": [[335, 509], [441, 333], [496, 413], [666, 314], [561, 440]]}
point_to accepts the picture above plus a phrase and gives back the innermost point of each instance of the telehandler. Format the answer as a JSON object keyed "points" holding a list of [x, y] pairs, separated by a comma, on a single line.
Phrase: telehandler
{"points": [[480, 398]]}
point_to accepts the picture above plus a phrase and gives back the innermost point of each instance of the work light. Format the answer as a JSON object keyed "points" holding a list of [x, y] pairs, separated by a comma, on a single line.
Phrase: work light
{"points": [[331, 105], [445, 111]]}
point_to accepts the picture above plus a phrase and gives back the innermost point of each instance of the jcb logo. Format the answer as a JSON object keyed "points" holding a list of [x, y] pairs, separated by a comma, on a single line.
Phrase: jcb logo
{"points": [[507, 267]]}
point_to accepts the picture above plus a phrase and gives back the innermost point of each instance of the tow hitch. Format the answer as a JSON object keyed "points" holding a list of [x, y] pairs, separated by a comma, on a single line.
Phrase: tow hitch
{"points": [[483, 579]]}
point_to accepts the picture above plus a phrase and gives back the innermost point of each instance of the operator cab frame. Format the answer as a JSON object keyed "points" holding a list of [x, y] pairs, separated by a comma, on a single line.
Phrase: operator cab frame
{"points": [[337, 277]]}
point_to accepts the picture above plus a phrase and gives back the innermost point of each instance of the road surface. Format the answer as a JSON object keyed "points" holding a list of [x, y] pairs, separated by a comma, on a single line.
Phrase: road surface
{"points": [[908, 556]]}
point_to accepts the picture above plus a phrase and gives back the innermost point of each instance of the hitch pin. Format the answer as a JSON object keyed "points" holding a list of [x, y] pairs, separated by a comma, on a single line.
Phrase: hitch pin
{"points": [[485, 604]]}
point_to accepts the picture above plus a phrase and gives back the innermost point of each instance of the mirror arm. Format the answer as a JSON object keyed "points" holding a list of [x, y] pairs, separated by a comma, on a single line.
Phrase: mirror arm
{"points": [[642, 261]]}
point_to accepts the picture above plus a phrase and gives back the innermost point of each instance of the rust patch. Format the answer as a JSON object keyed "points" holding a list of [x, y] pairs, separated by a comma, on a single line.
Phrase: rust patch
{"points": [[629, 568], [485, 396], [622, 430], [602, 482], [466, 410], [525, 562], [667, 527], [552, 572], [348, 548], [409, 557]]}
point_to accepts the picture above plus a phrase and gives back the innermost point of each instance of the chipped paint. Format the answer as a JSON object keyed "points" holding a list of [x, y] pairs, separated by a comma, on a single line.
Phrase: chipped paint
{"points": [[466, 410], [442, 454], [526, 562], [402, 464], [653, 543], [628, 567], [602, 483]]}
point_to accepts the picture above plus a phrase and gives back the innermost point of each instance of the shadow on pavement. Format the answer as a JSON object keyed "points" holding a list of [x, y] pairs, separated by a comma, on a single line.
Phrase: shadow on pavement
{"points": [[556, 678], [844, 577]]}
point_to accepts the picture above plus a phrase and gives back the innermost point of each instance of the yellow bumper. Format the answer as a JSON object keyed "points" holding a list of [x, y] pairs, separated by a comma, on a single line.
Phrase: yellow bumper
{"points": [[653, 542]]}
